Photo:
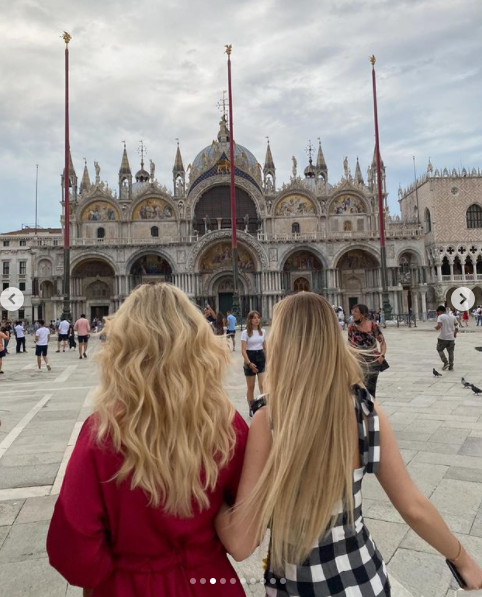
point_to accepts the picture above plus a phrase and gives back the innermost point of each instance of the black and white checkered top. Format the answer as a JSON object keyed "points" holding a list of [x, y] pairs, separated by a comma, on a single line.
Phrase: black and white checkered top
{"points": [[345, 562]]}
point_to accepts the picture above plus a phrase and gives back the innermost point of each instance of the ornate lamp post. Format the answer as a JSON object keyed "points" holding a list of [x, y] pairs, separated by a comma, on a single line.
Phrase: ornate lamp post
{"points": [[66, 314], [236, 304], [387, 309]]}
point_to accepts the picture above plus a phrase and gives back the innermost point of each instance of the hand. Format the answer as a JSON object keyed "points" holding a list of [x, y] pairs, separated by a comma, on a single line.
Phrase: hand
{"points": [[380, 359], [470, 571], [253, 367]]}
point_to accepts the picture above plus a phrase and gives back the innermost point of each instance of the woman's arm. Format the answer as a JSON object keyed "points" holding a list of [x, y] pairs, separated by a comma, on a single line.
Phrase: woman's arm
{"points": [[237, 527], [247, 362], [417, 511]]}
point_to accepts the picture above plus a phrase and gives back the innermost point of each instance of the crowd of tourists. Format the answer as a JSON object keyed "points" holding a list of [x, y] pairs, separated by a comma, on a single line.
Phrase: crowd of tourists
{"points": [[68, 333], [166, 478]]}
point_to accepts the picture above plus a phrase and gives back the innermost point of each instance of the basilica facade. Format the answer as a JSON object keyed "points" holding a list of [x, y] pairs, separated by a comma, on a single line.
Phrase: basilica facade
{"points": [[309, 233]]}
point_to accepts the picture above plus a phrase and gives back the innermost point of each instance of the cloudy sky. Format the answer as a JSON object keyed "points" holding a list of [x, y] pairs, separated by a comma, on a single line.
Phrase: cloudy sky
{"points": [[155, 70]]}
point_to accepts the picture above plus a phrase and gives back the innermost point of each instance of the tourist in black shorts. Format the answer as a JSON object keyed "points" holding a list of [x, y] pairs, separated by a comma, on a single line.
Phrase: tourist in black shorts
{"points": [[254, 355], [42, 337]]}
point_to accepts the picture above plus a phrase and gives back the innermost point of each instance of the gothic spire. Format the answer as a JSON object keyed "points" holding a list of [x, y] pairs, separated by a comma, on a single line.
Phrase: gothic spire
{"points": [[125, 168], [374, 161], [85, 182], [358, 174], [178, 165], [268, 160], [320, 160]]}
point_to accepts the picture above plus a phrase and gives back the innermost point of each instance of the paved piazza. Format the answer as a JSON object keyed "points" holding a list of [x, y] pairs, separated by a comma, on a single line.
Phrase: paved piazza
{"points": [[437, 422]]}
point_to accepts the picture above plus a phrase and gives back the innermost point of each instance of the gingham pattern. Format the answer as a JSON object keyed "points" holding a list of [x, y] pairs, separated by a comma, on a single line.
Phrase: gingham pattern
{"points": [[346, 561]]}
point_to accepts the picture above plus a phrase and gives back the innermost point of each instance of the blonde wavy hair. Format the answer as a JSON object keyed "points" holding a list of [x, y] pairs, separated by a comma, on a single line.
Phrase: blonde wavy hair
{"points": [[161, 400], [310, 372]]}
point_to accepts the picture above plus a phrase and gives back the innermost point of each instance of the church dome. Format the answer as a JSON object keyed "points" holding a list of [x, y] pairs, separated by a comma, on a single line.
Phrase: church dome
{"points": [[212, 154], [142, 175]]}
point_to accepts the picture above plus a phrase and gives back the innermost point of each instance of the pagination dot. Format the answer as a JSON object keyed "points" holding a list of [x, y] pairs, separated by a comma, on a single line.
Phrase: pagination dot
{"points": [[192, 581], [213, 581], [222, 581], [203, 581], [233, 581], [253, 581]]}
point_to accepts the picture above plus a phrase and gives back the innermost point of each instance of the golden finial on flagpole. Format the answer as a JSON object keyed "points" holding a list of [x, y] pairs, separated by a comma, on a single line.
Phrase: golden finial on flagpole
{"points": [[229, 49], [372, 59], [66, 37]]}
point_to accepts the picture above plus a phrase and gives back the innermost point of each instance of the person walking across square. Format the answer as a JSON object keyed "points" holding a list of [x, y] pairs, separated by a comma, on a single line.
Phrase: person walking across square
{"points": [[42, 337], [3, 340], [63, 335], [447, 324], [231, 331], [82, 327], [20, 335]]}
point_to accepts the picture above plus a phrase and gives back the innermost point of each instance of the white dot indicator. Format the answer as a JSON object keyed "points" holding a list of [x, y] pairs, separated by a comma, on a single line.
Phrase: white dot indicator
{"points": [[213, 581]]}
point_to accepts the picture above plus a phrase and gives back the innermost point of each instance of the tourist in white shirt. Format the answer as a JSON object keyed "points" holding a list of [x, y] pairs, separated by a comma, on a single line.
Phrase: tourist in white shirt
{"points": [[20, 335], [63, 335], [254, 355], [42, 337], [447, 324]]}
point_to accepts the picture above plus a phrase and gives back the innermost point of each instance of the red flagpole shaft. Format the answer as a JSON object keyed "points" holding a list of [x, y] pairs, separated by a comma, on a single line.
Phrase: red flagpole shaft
{"points": [[231, 159], [381, 211], [67, 152]]}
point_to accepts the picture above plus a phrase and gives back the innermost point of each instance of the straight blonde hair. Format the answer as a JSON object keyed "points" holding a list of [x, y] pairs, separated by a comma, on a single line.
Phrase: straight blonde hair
{"points": [[309, 472], [161, 400]]}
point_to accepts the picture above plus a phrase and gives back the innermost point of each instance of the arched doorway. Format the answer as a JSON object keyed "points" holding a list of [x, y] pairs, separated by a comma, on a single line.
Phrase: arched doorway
{"points": [[303, 265], [93, 288], [301, 285], [216, 272], [213, 211], [357, 277]]}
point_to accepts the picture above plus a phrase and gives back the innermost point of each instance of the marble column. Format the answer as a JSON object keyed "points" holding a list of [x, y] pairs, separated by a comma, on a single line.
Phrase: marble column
{"points": [[424, 306], [439, 272]]}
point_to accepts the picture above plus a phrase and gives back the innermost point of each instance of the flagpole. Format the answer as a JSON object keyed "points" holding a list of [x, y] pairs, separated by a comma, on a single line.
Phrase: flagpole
{"points": [[387, 309], [66, 314], [234, 249], [36, 201]]}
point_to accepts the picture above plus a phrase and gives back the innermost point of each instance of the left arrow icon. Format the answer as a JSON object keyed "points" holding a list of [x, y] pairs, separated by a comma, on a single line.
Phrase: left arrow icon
{"points": [[10, 298]]}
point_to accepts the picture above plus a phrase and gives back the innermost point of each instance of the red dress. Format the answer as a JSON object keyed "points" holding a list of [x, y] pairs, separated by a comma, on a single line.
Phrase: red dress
{"points": [[106, 537]]}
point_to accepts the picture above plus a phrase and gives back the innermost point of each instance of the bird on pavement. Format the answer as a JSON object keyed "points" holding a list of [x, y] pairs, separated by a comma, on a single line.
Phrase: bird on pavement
{"points": [[466, 384], [436, 373], [476, 390], [479, 348]]}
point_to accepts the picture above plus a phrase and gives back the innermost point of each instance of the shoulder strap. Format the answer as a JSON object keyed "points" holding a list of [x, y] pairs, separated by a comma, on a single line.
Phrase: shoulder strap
{"points": [[369, 441]]}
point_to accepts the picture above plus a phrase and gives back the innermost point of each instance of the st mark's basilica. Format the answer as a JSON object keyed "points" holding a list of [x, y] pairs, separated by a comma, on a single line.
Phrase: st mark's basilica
{"points": [[308, 233]]}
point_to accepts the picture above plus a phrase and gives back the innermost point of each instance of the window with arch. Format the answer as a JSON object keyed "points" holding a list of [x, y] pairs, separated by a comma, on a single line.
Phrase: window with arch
{"points": [[347, 227], [474, 216], [295, 228], [428, 221], [301, 285], [155, 231], [100, 232]]}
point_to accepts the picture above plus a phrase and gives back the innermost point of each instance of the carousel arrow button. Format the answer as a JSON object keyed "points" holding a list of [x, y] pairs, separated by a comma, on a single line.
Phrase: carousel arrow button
{"points": [[463, 299], [12, 298]]}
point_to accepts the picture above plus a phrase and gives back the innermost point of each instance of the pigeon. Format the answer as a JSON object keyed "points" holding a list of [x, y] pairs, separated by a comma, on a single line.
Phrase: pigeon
{"points": [[479, 348], [436, 373], [476, 390], [466, 384]]}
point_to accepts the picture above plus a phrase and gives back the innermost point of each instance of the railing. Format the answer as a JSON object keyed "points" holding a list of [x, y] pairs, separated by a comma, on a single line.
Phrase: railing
{"points": [[155, 240], [394, 231], [460, 278]]}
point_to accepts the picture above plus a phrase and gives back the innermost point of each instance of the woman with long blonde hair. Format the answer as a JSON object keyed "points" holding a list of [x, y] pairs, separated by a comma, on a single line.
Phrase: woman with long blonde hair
{"points": [[307, 454], [153, 464]]}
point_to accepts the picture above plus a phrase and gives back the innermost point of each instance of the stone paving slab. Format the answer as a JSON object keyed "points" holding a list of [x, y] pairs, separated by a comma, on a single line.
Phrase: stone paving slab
{"points": [[438, 425]]}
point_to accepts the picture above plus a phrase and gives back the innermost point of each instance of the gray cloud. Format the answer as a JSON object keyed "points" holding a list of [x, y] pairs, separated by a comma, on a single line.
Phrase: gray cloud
{"points": [[155, 71]]}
